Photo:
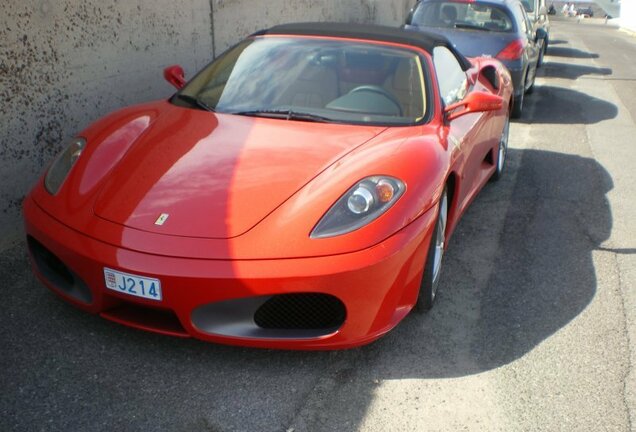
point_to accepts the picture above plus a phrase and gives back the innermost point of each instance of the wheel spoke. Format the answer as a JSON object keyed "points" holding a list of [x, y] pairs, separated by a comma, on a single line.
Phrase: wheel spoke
{"points": [[440, 240], [503, 147]]}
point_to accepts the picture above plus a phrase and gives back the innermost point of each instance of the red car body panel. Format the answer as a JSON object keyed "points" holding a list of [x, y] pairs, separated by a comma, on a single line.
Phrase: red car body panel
{"points": [[243, 195], [394, 266]]}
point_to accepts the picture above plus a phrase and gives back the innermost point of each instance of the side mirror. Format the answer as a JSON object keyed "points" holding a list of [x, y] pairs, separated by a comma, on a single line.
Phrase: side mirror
{"points": [[174, 75], [474, 102]]}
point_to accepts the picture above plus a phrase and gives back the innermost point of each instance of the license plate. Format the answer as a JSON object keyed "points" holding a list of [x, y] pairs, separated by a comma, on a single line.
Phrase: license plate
{"points": [[134, 285]]}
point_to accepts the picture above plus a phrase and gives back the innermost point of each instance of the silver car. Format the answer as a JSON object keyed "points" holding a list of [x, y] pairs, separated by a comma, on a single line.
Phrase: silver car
{"points": [[496, 28]]}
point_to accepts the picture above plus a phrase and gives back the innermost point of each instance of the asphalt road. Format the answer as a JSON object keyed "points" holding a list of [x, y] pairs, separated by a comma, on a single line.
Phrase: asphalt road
{"points": [[534, 329]]}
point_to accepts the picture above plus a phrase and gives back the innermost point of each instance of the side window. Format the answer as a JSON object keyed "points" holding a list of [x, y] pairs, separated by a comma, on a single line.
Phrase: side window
{"points": [[450, 76], [525, 21]]}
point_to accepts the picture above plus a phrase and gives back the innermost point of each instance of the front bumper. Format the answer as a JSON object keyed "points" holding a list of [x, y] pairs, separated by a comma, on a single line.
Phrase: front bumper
{"points": [[215, 300]]}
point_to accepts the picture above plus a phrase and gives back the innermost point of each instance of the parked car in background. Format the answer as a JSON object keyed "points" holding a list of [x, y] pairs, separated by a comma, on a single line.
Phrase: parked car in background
{"points": [[299, 192], [538, 14], [495, 28], [585, 12]]}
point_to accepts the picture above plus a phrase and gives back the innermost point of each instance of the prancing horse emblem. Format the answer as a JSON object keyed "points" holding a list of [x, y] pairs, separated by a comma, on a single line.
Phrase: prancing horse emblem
{"points": [[162, 219]]}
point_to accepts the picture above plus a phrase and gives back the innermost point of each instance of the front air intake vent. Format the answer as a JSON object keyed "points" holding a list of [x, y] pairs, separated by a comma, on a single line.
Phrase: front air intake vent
{"points": [[57, 273], [301, 312]]}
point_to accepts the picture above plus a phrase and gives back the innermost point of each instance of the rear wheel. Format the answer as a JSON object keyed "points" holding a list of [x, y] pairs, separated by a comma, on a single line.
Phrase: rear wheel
{"points": [[433, 267], [517, 106], [530, 89]]}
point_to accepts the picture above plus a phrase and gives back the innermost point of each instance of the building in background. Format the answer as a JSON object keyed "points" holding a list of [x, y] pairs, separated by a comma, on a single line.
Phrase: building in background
{"points": [[628, 14]]}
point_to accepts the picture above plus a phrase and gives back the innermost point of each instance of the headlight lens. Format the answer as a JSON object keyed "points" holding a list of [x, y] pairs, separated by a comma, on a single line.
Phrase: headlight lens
{"points": [[62, 165], [363, 203]]}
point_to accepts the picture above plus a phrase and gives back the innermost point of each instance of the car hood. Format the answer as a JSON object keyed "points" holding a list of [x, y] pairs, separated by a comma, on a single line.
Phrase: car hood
{"points": [[199, 174], [472, 43]]}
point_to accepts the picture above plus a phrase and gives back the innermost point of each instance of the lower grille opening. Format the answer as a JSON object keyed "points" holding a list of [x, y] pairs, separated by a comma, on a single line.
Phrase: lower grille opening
{"points": [[147, 318], [302, 311], [57, 273]]}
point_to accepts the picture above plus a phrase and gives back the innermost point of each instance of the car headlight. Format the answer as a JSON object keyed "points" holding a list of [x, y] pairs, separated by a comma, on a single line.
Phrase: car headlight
{"points": [[62, 165], [363, 203]]}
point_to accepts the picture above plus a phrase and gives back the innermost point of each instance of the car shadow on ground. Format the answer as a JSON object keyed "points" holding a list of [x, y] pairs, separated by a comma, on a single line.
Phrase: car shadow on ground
{"points": [[568, 52], [570, 71], [559, 105], [494, 307], [499, 298]]}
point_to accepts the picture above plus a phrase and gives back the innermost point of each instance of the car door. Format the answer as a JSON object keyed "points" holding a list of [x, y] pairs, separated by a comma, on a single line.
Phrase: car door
{"points": [[528, 28], [467, 135]]}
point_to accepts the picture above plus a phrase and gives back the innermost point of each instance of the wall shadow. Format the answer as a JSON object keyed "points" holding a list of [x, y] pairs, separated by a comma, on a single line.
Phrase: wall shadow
{"points": [[558, 105], [570, 52], [570, 71]]}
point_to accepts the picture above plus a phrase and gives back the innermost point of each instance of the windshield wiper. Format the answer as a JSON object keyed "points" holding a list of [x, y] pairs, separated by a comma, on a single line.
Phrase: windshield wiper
{"points": [[286, 114], [195, 101], [471, 27]]}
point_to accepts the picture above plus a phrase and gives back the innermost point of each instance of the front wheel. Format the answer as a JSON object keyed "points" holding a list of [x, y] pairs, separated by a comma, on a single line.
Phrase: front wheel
{"points": [[502, 151], [433, 267]]}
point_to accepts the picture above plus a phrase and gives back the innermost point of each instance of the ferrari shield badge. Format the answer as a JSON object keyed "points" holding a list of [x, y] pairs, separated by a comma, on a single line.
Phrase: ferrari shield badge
{"points": [[162, 219]]}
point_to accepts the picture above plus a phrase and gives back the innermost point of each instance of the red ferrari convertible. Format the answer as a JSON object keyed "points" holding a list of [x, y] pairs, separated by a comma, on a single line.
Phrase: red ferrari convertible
{"points": [[297, 193]]}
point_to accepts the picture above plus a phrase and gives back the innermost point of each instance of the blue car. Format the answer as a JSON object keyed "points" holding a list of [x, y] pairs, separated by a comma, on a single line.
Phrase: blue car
{"points": [[496, 28]]}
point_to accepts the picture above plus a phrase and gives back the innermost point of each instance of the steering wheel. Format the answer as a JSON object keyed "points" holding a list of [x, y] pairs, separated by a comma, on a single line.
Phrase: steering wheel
{"points": [[381, 91]]}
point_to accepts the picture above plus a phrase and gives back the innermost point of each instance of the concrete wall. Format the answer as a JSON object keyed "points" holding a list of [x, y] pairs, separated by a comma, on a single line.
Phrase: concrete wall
{"points": [[64, 63], [234, 19]]}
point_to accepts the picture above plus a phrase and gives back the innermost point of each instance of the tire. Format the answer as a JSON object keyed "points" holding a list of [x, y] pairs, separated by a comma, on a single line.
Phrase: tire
{"points": [[530, 89], [517, 106], [434, 258], [542, 53], [502, 151]]}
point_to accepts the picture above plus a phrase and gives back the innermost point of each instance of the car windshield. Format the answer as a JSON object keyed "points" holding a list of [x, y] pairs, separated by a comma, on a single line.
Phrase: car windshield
{"points": [[312, 79], [464, 15]]}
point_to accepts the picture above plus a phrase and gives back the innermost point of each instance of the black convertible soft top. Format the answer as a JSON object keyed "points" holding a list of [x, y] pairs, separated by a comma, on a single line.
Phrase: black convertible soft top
{"points": [[416, 38]]}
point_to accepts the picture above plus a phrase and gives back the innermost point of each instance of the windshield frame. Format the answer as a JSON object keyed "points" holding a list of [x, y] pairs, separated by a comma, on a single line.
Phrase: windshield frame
{"points": [[418, 53]]}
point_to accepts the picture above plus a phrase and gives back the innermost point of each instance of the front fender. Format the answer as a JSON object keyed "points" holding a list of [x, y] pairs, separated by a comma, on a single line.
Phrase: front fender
{"points": [[420, 160]]}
